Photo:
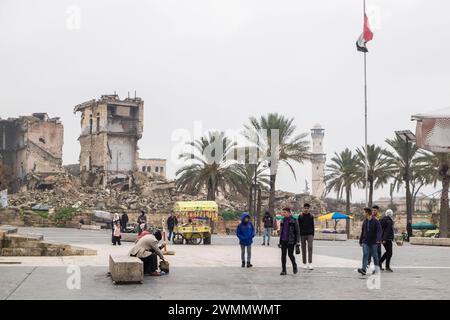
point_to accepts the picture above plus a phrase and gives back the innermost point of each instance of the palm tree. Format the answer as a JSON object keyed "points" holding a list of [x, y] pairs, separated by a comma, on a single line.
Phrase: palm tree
{"points": [[342, 173], [209, 166], [401, 160], [378, 169], [274, 135]]}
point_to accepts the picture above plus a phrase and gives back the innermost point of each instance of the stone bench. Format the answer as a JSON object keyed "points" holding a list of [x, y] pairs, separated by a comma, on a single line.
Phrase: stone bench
{"points": [[126, 269], [330, 236], [430, 241], [8, 229], [90, 227]]}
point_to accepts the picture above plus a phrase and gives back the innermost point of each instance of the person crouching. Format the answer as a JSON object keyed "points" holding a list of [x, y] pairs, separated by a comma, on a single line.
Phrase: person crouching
{"points": [[147, 250]]}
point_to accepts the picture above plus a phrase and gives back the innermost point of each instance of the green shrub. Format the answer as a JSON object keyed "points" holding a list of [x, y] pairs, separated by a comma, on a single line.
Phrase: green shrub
{"points": [[230, 215], [65, 214], [43, 214]]}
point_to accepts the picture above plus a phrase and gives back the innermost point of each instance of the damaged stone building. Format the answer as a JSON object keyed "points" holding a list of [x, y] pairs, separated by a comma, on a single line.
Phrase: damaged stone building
{"points": [[110, 131], [30, 146]]}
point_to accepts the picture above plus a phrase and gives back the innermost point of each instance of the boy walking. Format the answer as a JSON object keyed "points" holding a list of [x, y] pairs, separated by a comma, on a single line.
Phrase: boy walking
{"points": [[369, 240], [246, 232], [289, 238], [306, 224]]}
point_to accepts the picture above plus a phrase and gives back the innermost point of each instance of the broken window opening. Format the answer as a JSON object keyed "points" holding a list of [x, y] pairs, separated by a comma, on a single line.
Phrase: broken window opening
{"points": [[149, 169], [42, 140], [143, 169], [90, 125], [156, 169]]}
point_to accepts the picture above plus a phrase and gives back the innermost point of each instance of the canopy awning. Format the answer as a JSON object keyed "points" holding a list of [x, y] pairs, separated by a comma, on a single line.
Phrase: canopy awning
{"points": [[334, 216]]}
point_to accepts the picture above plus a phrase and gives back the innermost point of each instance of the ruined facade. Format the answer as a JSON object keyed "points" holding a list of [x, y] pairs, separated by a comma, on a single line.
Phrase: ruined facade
{"points": [[110, 131], [31, 144], [152, 166]]}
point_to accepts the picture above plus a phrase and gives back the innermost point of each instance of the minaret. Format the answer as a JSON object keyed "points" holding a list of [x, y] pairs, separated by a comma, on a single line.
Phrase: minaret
{"points": [[318, 159]]}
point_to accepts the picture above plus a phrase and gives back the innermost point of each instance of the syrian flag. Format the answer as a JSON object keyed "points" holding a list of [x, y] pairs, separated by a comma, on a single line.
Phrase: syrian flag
{"points": [[365, 37]]}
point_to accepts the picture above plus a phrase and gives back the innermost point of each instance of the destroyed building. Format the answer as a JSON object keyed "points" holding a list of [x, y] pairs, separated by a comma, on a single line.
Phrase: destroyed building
{"points": [[31, 145], [152, 167], [110, 131]]}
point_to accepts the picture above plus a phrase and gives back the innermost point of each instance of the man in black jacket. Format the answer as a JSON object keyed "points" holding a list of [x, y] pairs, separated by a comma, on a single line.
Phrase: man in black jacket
{"points": [[289, 238], [306, 224], [369, 239], [172, 221], [268, 227], [387, 226], [124, 221]]}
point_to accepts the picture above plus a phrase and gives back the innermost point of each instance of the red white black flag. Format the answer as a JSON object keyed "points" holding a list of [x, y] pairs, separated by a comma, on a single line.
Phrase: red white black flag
{"points": [[365, 37]]}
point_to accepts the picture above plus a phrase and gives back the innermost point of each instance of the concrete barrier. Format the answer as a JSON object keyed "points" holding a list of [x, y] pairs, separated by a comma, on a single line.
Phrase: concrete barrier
{"points": [[90, 227], [8, 229], [128, 237], [126, 269], [430, 241], [330, 236]]}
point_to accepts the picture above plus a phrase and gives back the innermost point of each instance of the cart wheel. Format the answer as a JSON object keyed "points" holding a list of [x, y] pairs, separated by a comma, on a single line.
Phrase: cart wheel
{"points": [[196, 239], [207, 239], [178, 238]]}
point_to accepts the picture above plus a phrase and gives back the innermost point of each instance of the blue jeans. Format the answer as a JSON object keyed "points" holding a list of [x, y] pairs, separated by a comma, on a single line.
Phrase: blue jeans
{"points": [[370, 250], [267, 233], [170, 234], [249, 253]]}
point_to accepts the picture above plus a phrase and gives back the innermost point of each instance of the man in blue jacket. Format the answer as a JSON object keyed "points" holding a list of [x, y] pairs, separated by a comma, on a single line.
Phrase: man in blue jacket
{"points": [[369, 240], [246, 232]]}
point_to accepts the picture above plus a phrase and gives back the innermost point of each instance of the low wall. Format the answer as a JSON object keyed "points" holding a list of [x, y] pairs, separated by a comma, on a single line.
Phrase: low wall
{"points": [[430, 241], [330, 236]]}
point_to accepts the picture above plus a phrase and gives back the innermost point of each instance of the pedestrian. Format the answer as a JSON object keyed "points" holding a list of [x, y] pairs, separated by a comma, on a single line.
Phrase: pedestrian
{"points": [[114, 221], [124, 222], [369, 239], [377, 215], [147, 249], [116, 234], [268, 227], [289, 238], [387, 238], [172, 222], [306, 224], [142, 219], [245, 232]]}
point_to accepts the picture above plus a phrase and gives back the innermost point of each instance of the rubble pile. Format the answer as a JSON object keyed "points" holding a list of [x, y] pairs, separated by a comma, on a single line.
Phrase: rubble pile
{"points": [[151, 193]]}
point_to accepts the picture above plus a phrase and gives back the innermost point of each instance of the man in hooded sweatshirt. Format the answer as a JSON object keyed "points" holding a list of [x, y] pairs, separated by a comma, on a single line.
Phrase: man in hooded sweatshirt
{"points": [[387, 227], [246, 232]]}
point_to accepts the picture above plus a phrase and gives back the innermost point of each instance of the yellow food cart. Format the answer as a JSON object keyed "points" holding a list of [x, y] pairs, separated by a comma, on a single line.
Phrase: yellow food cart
{"points": [[194, 221]]}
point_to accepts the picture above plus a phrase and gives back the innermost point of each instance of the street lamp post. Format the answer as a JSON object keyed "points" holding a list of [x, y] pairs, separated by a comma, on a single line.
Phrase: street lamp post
{"points": [[408, 137]]}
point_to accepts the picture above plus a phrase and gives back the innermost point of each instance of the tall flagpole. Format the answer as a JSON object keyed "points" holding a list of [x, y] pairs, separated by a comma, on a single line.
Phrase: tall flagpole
{"points": [[365, 116]]}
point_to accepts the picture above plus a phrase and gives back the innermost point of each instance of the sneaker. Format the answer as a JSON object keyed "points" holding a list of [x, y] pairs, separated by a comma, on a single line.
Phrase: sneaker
{"points": [[295, 269], [249, 265], [263, 244], [389, 270], [310, 267], [153, 274], [283, 273], [243, 265], [362, 271], [305, 266]]}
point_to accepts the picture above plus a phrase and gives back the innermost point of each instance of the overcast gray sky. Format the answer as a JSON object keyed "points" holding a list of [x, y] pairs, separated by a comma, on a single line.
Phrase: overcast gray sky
{"points": [[221, 61]]}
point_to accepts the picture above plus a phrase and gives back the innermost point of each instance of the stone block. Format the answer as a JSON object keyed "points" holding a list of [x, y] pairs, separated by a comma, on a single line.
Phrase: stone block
{"points": [[8, 229], [125, 269], [90, 227], [441, 242], [421, 241], [129, 237]]}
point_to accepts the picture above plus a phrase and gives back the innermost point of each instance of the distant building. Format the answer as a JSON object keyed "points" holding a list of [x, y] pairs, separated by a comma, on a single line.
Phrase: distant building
{"points": [[423, 203], [152, 166], [318, 158], [31, 144]]}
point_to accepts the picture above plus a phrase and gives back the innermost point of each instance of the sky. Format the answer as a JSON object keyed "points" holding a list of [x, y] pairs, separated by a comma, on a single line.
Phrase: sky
{"points": [[218, 62]]}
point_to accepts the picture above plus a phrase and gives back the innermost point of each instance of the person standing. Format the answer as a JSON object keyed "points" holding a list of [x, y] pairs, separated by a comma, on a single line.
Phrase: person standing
{"points": [[289, 238], [245, 232], [387, 238], [369, 239], [142, 220], [116, 234], [268, 227], [172, 221], [306, 224], [115, 220], [124, 221], [147, 249]]}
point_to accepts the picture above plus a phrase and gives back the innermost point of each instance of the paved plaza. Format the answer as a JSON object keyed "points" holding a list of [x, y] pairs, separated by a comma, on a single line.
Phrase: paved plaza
{"points": [[214, 272]]}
